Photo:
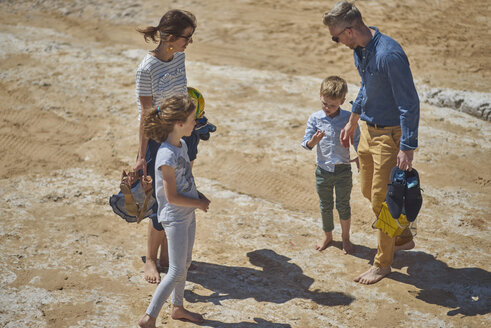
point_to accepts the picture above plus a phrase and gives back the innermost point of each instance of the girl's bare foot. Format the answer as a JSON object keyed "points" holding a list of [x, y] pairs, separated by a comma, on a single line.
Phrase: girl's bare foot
{"points": [[151, 273], [179, 313], [348, 247], [147, 322], [405, 247], [372, 275], [327, 240]]}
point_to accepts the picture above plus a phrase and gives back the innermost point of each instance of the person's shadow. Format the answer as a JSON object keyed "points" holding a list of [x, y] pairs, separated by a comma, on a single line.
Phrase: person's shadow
{"points": [[466, 290], [258, 323], [278, 282]]}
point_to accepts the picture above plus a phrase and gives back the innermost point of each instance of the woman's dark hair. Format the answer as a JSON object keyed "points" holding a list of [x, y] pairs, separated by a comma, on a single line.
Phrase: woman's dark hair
{"points": [[174, 22]]}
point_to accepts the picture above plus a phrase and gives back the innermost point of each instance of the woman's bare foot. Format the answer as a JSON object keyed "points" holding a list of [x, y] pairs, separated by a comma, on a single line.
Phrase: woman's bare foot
{"points": [[405, 247], [162, 265], [348, 247], [151, 273], [327, 240], [179, 313], [372, 275], [147, 322]]}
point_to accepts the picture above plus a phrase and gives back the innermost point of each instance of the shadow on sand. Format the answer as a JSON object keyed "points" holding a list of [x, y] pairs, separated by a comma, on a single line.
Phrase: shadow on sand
{"points": [[362, 252], [278, 282], [258, 322], [466, 290]]}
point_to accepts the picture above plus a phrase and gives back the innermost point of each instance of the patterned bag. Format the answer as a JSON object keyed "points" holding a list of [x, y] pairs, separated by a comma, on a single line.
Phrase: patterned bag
{"points": [[134, 202]]}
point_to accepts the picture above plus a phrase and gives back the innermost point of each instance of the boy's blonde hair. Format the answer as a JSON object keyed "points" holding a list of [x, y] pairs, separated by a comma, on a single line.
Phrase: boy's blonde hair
{"points": [[334, 87], [160, 121]]}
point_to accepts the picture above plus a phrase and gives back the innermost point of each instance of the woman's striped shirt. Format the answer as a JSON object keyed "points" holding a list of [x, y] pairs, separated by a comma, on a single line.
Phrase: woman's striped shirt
{"points": [[160, 79]]}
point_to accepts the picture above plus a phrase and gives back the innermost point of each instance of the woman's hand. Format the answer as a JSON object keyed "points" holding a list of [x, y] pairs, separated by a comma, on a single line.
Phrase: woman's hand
{"points": [[141, 164]]}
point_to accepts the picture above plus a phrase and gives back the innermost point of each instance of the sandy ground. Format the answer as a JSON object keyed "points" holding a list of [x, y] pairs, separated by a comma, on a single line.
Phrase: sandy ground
{"points": [[68, 127]]}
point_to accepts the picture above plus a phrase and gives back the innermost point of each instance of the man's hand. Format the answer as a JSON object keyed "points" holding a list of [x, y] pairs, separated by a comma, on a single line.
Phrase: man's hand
{"points": [[346, 135], [405, 159]]}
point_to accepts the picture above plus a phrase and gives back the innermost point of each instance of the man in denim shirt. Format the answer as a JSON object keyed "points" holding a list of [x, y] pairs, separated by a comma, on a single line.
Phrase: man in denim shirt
{"points": [[389, 105]]}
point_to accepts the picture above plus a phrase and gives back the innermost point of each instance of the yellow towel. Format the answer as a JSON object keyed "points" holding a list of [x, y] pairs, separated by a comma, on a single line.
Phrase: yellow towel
{"points": [[392, 227]]}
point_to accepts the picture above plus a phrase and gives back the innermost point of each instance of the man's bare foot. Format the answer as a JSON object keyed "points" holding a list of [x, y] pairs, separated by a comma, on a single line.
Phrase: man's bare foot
{"points": [[372, 275], [151, 273], [179, 313], [404, 247], [147, 322], [348, 247], [327, 240]]}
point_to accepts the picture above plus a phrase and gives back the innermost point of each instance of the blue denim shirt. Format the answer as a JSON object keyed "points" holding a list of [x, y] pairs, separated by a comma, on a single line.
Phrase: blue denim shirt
{"points": [[387, 94], [329, 150]]}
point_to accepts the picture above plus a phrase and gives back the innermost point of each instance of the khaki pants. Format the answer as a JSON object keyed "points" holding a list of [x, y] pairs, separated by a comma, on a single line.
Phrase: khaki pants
{"points": [[377, 153]]}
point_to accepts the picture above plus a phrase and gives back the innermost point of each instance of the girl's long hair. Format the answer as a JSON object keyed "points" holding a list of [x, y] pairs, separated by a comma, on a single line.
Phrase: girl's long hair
{"points": [[174, 22], [160, 121]]}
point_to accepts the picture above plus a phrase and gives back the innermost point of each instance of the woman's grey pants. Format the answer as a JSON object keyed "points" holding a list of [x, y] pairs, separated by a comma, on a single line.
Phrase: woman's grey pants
{"points": [[180, 239]]}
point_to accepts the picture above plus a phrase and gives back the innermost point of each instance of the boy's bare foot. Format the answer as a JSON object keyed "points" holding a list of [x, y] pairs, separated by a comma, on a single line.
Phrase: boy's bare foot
{"points": [[179, 313], [152, 275], [372, 275], [147, 322], [405, 247], [327, 240], [348, 247]]}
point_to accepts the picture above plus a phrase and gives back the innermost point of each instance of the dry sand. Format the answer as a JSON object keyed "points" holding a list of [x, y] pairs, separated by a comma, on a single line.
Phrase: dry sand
{"points": [[68, 128]]}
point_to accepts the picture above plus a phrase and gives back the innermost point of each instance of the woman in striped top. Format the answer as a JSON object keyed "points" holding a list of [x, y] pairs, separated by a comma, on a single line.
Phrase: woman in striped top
{"points": [[162, 73]]}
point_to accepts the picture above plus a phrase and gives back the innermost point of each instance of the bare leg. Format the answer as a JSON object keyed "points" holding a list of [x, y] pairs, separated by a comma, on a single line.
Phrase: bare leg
{"points": [[348, 247], [327, 239], [154, 240], [372, 275], [405, 247], [147, 321], [179, 312]]}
